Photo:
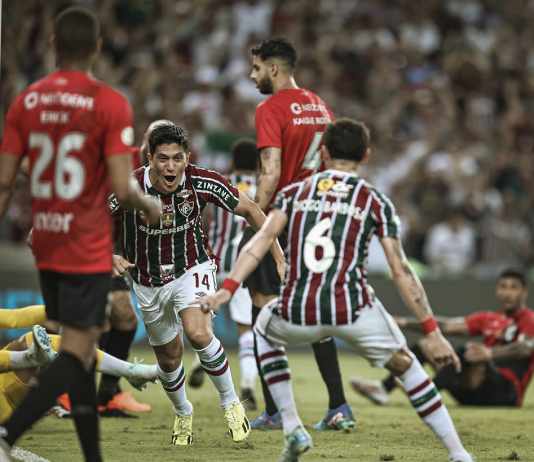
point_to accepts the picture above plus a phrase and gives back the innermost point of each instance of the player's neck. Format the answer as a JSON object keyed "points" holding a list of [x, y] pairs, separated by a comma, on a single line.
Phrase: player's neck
{"points": [[74, 66], [342, 165], [286, 83]]}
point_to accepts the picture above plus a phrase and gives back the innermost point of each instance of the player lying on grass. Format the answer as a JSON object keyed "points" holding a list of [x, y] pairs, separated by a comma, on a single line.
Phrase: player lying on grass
{"points": [[172, 266], [14, 385], [495, 372], [330, 219]]}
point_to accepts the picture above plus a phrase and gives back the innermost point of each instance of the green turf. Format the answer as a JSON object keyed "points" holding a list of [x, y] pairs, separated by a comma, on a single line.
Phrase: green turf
{"points": [[383, 433]]}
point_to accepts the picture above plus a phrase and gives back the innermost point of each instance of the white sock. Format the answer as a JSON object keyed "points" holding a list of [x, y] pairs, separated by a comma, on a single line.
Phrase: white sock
{"points": [[426, 400], [12, 360], [247, 362], [174, 385], [119, 368], [275, 372], [215, 363]]}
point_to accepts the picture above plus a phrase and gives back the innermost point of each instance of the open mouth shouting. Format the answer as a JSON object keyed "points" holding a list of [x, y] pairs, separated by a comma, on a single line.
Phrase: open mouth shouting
{"points": [[169, 179]]}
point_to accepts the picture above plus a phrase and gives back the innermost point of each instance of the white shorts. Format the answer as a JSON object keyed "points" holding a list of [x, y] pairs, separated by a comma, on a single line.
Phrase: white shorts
{"points": [[240, 305], [160, 305], [375, 334]]}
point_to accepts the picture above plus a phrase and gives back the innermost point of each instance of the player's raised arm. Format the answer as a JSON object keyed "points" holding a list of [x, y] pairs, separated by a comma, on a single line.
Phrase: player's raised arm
{"points": [[414, 295], [127, 190], [248, 260], [270, 168]]}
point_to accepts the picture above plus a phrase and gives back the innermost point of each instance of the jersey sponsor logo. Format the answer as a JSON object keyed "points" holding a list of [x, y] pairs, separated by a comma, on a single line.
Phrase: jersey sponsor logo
{"points": [[183, 194], [297, 108], [127, 136], [333, 188], [71, 100], [159, 231], [52, 222], [214, 188], [186, 208], [167, 219], [342, 208], [166, 272], [54, 117], [311, 120]]}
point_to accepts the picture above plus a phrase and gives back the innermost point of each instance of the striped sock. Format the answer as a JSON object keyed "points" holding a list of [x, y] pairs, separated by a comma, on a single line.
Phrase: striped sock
{"points": [[214, 362], [173, 384], [426, 400], [275, 371], [247, 362]]}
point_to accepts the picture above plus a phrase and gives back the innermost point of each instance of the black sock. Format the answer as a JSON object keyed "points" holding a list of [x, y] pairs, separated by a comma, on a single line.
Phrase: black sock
{"points": [[118, 345], [52, 382], [389, 383], [326, 357], [82, 394], [270, 407]]}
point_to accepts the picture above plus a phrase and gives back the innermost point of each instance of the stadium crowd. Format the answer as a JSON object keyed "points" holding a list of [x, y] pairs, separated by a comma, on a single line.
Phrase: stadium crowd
{"points": [[447, 88]]}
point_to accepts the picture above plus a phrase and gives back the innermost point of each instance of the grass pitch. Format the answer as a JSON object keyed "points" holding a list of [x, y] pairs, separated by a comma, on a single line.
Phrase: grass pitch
{"points": [[392, 433]]}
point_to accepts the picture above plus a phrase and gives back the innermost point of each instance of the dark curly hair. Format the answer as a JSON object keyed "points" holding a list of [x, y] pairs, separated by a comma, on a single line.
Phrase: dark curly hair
{"points": [[276, 48], [168, 133]]}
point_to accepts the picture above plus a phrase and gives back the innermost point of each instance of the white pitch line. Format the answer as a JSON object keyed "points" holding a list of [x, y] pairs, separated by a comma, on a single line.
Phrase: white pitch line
{"points": [[26, 456]]}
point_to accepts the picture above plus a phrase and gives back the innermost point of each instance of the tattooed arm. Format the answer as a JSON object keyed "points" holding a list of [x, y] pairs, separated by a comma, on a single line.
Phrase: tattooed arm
{"points": [[270, 169], [413, 294]]}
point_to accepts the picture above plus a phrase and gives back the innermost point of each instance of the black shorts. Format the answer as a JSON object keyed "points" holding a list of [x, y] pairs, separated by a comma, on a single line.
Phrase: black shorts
{"points": [[495, 390], [118, 283], [265, 277], [78, 300]]}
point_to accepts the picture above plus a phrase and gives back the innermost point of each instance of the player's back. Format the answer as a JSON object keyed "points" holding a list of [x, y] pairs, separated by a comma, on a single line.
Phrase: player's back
{"points": [[332, 217], [294, 121], [67, 123], [225, 228]]}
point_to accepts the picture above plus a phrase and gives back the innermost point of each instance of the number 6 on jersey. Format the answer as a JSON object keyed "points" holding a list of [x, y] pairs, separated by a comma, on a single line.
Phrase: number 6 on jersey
{"points": [[314, 240]]}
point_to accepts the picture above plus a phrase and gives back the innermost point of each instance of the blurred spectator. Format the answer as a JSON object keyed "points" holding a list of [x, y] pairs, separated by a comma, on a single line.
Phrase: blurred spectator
{"points": [[450, 246]]}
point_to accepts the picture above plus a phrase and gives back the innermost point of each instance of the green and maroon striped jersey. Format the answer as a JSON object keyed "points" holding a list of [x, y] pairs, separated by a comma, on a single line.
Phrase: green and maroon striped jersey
{"points": [[163, 252], [332, 217], [225, 228]]}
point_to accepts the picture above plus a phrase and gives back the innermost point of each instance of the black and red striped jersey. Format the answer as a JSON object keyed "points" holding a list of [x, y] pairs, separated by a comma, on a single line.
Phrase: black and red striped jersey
{"points": [[225, 228], [332, 217], [163, 252]]}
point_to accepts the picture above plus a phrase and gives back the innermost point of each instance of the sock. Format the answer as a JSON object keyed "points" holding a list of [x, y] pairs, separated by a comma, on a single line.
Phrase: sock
{"points": [[118, 345], [325, 353], [52, 382], [426, 400], [174, 385], [214, 362], [270, 407], [247, 362], [82, 394], [275, 371], [108, 364], [390, 382], [12, 360], [22, 317]]}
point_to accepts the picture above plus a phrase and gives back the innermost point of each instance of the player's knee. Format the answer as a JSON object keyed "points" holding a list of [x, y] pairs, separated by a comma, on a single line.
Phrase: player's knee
{"points": [[400, 362], [169, 363], [200, 337]]}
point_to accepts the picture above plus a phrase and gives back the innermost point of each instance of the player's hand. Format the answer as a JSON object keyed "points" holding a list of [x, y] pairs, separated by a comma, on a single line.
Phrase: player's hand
{"points": [[477, 353], [120, 265], [439, 351], [152, 211], [213, 302]]}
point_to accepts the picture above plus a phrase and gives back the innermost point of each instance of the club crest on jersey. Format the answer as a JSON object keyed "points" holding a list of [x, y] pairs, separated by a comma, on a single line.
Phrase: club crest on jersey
{"points": [[333, 188], [167, 219], [186, 208]]}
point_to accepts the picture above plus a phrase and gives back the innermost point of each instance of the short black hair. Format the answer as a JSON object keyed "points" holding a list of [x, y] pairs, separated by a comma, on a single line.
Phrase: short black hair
{"points": [[276, 48], [76, 33], [245, 154], [347, 139], [514, 273], [167, 134]]}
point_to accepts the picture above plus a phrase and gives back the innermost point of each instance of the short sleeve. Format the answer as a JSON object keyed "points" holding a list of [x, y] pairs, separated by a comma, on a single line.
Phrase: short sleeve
{"points": [[12, 138], [268, 127], [214, 188], [475, 323], [386, 219], [117, 114]]}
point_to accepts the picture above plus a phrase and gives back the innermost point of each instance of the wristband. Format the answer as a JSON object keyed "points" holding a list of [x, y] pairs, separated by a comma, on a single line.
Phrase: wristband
{"points": [[429, 325], [231, 285]]}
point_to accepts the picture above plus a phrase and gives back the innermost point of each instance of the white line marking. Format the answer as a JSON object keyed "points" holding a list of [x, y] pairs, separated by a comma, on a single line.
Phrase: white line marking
{"points": [[26, 456]]}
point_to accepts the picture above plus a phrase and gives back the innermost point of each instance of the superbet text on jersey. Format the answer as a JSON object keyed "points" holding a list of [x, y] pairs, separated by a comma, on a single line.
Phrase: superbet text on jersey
{"points": [[293, 120], [67, 123]]}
